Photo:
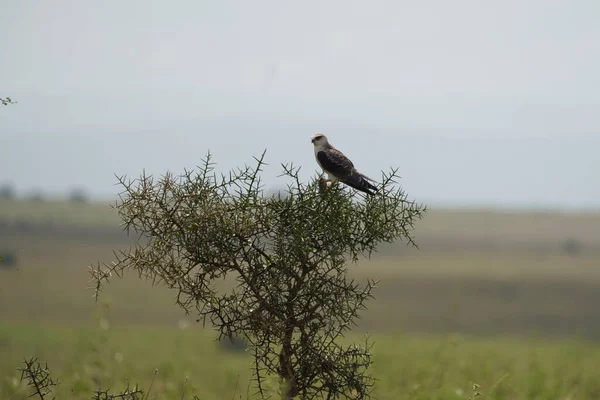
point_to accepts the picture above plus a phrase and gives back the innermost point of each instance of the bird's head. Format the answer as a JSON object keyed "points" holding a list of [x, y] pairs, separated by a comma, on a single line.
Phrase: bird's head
{"points": [[319, 140]]}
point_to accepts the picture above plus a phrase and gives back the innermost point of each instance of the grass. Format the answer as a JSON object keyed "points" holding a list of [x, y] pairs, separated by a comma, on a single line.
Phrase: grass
{"points": [[48, 312], [59, 212], [477, 226], [88, 358], [474, 292], [525, 309], [85, 358]]}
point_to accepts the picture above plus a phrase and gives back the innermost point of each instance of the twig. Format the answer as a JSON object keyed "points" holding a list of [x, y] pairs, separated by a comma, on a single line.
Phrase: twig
{"points": [[151, 383], [236, 386], [183, 389]]}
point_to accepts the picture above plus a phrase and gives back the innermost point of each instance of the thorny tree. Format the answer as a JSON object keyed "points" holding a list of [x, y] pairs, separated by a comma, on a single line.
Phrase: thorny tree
{"points": [[288, 254]]}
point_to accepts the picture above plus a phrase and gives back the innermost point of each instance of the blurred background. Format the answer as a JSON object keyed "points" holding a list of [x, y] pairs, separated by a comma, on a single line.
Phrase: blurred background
{"points": [[489, 110]]}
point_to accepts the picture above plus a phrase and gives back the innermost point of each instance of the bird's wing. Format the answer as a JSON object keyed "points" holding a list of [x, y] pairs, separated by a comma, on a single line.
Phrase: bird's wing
{"points": [[360, 182], [335, 162]]}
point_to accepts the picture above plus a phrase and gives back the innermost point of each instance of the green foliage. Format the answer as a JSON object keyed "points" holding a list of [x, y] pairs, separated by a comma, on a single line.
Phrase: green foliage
{"points": [[288, 254], [6, 101], [407, 367], [476, 392]]}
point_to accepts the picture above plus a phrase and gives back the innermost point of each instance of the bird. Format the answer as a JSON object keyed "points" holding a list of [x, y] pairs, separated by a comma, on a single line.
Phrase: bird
{"points": [[339, 167]]}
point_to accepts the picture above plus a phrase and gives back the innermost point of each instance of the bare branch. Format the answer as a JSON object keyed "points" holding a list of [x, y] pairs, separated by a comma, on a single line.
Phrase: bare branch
{"points": [[38, 378]]}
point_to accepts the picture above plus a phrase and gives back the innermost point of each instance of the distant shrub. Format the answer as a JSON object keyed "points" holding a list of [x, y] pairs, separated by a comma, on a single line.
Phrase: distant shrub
{"points": [[7, 259], [571, 246], [36, 195], [78, 195], [235, 344], [7, 191], [23, 226]]}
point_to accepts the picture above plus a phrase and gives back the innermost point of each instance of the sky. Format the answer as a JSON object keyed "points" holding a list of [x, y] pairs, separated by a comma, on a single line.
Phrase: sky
{"points": [[477, 103]]}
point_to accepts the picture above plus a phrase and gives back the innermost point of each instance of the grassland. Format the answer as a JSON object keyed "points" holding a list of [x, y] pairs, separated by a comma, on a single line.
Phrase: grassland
{"points": [[407, 366], [493, 298]]}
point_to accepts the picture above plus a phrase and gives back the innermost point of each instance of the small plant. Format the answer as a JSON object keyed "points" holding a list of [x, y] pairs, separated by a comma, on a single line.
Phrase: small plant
{"points": [[38, 378], [476, 392], [6, 101], [130, 393]]}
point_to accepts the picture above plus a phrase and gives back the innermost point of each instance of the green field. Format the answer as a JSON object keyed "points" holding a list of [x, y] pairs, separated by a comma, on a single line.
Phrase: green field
{"points": [[507, 300], [407, 366]]}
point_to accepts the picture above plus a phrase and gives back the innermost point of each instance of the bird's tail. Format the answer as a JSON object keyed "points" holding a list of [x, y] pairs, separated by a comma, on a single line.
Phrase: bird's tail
{"points": [[367, 178]]}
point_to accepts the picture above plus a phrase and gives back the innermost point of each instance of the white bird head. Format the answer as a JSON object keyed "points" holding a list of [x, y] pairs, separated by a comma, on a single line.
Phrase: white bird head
{"points": [[319, 140]]}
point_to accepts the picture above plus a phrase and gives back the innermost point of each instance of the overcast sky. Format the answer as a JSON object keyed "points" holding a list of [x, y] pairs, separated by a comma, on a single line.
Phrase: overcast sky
{"points": [[478, 103]]}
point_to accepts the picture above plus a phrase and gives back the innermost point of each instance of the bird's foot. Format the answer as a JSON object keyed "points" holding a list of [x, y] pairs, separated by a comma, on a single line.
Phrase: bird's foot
{"points": [[323, 184]]}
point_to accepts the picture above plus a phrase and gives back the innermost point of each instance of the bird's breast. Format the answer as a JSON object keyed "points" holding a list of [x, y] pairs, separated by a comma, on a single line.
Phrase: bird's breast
{"points": [[317, 158]]}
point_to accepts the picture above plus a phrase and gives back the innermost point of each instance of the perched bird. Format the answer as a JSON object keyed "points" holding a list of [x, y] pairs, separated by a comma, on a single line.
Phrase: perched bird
{"points": [[339, 167]]}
